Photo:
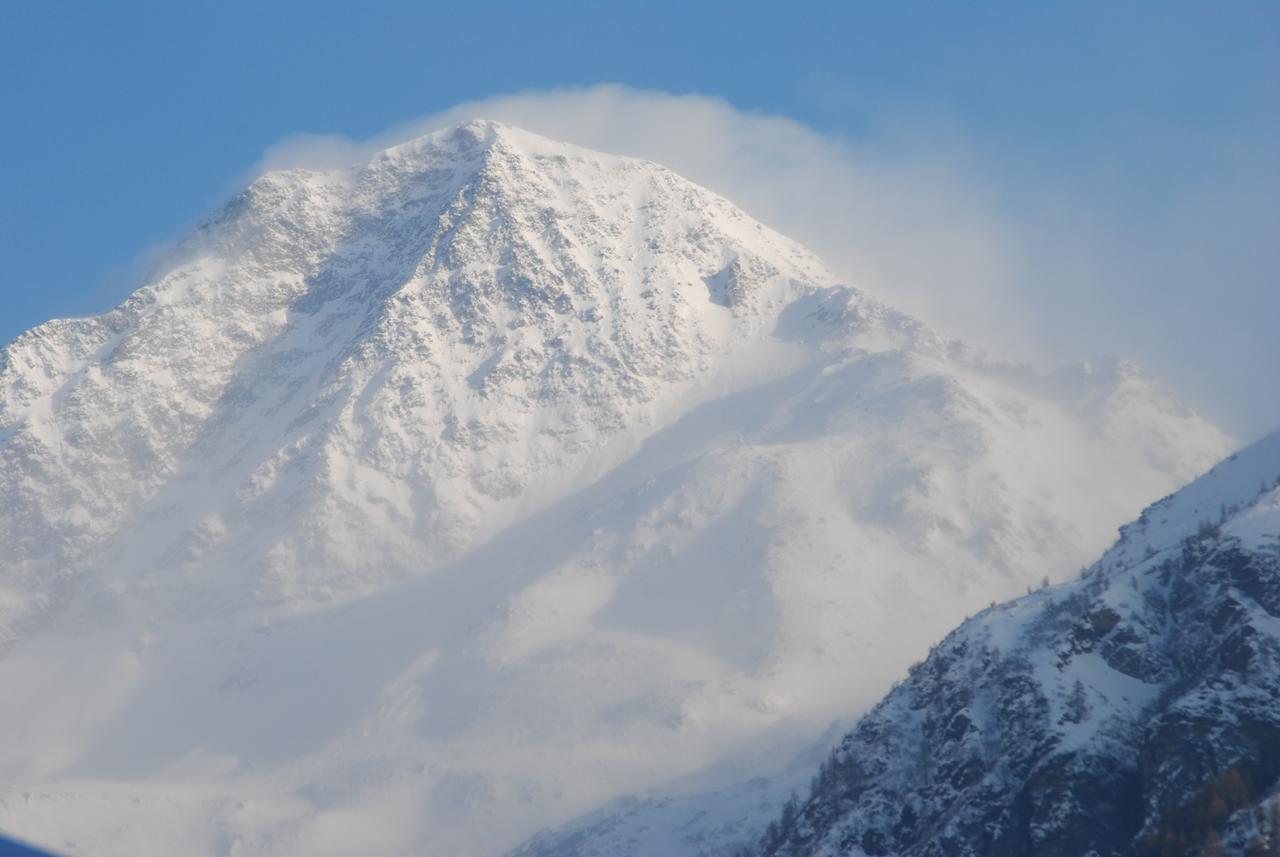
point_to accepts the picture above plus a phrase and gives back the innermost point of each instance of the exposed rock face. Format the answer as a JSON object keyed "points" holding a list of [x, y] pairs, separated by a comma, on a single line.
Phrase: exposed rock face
{"points": [[1134, 711]]}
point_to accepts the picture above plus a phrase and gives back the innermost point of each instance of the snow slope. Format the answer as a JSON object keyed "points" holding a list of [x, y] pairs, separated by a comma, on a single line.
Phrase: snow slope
{"points": [[422, 504]]}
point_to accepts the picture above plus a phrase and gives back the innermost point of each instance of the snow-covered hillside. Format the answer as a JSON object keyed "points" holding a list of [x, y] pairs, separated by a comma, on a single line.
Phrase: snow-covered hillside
{"points": [[420, 505], [1134, 711]]}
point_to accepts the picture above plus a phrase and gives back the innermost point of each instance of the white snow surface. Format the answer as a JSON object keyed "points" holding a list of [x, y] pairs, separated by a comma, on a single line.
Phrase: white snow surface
{"points": [[418, 506]]}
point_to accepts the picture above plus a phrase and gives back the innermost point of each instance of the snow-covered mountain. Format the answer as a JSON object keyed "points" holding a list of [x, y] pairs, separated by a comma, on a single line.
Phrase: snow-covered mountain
{"points": [[1134, 711], [423, 504]]}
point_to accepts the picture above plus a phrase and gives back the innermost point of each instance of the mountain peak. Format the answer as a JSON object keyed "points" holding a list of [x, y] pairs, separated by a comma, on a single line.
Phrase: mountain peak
{"points": [[481, 136], [471, 143], [439, 163], [466, 148]]}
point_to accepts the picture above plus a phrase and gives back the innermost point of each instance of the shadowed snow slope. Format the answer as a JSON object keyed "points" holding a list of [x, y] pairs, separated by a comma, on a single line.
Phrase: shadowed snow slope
{"points": [[422, 504]]}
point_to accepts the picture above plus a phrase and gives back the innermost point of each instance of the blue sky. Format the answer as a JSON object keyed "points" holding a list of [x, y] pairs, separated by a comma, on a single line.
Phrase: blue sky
{"points": [[1115, 129]]}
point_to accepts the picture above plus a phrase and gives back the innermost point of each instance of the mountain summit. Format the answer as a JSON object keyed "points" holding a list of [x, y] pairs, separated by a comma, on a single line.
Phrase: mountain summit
{"points": [[437, 499]]}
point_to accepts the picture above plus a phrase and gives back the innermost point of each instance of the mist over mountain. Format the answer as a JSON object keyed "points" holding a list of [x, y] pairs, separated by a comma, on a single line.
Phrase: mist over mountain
{"points": [[420, 505], [1131, 712]]}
